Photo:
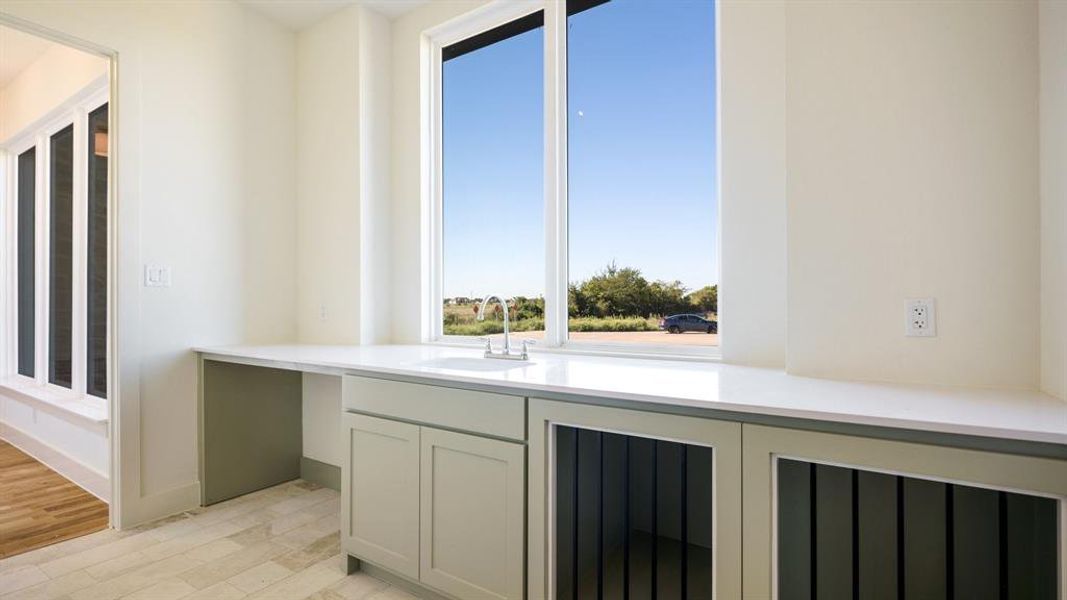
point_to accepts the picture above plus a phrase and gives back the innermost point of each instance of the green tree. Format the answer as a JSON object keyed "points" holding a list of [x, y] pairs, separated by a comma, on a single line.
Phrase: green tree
{"points": [[616, 292], [666, 298], [706, 299]]}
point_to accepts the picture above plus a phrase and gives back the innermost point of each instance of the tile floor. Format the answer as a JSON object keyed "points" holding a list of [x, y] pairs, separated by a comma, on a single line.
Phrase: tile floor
{"points": [[282, 543]]}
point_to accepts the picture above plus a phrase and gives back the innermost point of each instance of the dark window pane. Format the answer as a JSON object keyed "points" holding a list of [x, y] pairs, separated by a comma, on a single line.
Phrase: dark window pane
{"points": [[493, 174], [60, 251], [96, 256], [26, 295], [642, 181]]}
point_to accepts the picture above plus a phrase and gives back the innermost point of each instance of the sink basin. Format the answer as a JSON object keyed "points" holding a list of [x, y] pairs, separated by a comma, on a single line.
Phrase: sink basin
{"points": [[464, 363]]}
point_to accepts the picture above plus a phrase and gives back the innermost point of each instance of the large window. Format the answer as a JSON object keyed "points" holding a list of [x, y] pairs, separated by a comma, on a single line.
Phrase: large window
{"points": [[493, 172], [60, 249], [592, 203], [642, 196]]}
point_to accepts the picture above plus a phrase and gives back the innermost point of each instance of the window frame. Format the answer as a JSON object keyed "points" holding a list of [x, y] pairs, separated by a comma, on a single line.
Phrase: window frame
{"points": [[556, 229], [74, 111]]}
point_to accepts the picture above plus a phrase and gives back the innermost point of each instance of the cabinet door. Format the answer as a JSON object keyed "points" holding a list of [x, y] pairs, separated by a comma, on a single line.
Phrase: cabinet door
{"points": [[380, 493], [472, 515]]}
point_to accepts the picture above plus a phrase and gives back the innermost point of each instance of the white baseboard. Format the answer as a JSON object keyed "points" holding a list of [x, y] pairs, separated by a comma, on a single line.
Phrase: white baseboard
{"points": [[85, 477], [156, 506]]}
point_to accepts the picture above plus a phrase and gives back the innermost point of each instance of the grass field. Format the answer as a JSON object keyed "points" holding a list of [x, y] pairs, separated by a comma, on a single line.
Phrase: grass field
{"points": [[461, 320]]}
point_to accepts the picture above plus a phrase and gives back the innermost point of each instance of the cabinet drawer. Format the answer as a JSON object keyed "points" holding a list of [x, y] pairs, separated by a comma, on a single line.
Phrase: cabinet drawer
{"points": [[478, 412]]}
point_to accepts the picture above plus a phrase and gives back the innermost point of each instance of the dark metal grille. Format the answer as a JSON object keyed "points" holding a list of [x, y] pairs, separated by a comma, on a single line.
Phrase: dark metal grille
{"points": [[633, 517], [847, 533]]}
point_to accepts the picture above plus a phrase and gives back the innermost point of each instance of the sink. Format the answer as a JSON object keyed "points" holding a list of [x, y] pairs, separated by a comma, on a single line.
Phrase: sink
{"points": [[465, 363]]}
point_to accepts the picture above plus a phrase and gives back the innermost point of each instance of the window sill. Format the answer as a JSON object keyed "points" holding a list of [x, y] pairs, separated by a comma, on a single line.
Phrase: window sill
{"points": [[607, 350], [89, 408]]}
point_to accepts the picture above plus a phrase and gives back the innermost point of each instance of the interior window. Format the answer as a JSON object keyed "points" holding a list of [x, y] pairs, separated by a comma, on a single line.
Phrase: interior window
{"points": [[26, 238], [61, 256], [642, 170], [492, 205], [96, 255]]}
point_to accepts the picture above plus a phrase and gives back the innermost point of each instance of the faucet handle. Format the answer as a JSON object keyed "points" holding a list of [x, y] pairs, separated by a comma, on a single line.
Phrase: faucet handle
{"points": [[488, 344], [526, 346]]}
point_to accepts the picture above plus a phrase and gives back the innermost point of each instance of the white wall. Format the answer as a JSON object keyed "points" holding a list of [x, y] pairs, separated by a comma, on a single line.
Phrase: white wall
{"points": [[190, 194], [912, 171], [343, 153], [323, 439], [270, 159], [1053, 37], [408, 221], [752, 113], [328, 178], [375, 110], [49, 81]]}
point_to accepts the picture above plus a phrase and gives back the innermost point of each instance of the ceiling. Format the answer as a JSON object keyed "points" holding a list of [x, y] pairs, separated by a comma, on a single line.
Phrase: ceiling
{"points": [[17, 51], [298, 14]]}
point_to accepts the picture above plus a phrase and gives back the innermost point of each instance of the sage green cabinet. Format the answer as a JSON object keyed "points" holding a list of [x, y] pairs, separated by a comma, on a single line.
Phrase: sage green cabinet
{"points": [[472, 515], [380, 493], [442, 508], [838, 516]]}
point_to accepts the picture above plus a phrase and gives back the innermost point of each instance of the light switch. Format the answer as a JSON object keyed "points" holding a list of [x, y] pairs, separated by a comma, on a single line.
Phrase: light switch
{"points": [[156, 276]]}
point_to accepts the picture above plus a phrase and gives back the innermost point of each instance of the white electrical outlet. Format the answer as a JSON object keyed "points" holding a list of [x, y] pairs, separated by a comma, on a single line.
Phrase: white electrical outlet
{"points": [[921, 318], [156, 276]]}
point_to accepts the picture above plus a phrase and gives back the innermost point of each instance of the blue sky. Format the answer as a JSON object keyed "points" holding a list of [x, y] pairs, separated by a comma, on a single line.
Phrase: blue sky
{"points": [[642, 151]]}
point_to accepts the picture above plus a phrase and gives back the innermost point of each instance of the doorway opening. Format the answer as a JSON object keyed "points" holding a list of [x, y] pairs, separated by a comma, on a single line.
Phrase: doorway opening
{"points": [[55, 300]]}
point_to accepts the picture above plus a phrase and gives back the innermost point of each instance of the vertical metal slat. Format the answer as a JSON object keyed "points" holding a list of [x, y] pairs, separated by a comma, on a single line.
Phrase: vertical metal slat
{"points": [[655, 517], [950, 539], [855, 534], [901, 575], [600, 520], [626, 536], [814, 504], [574, 552], [685, 521]]}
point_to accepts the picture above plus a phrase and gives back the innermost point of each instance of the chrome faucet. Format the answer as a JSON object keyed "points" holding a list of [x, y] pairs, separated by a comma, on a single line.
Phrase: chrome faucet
{"points": [[506, 354]]}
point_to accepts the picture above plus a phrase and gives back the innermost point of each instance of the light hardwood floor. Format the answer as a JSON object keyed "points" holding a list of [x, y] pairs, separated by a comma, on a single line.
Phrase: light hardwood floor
{"points": [[281, 543], [39, 506]]}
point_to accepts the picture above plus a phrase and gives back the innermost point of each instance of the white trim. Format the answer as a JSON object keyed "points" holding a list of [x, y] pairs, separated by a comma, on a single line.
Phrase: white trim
{"points": [[41, 255], [555, 185], [79, 237]]}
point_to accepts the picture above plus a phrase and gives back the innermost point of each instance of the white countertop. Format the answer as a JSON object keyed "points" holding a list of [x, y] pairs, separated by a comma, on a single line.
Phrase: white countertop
{"points": [[1016, 415]]}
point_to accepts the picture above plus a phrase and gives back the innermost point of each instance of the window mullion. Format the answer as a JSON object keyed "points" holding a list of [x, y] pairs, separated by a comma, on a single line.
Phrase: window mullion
{"points": [[432, 230], [42, 255], [555, 172], [79, 239], [7, 282]]}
